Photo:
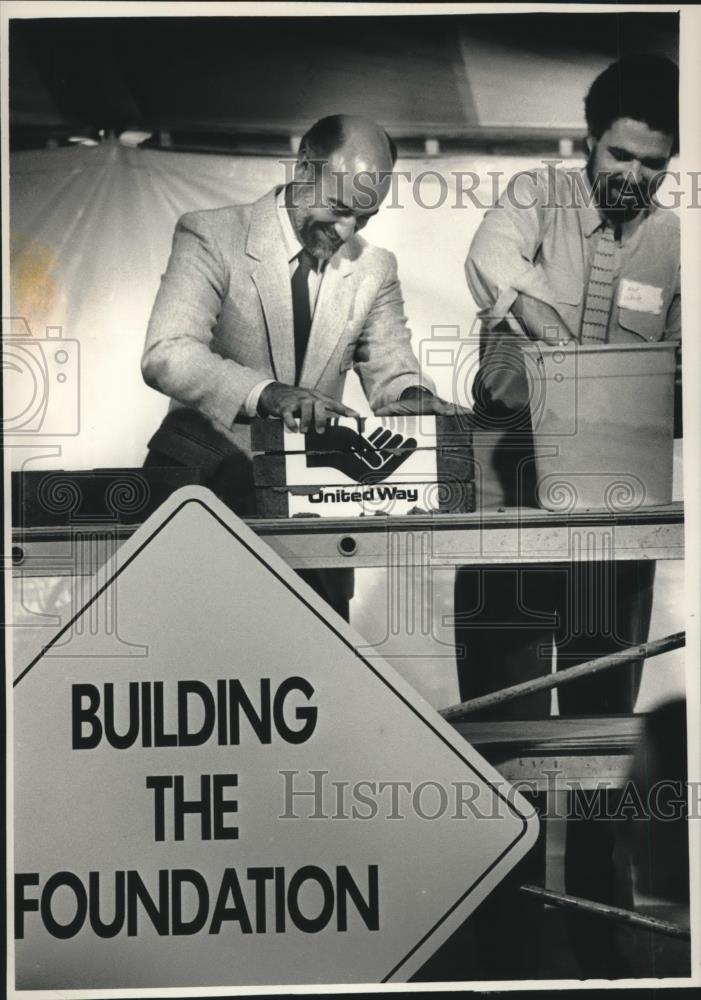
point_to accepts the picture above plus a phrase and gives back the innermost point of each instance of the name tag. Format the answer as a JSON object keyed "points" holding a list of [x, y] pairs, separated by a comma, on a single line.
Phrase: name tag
{"points": [[639, 297]]}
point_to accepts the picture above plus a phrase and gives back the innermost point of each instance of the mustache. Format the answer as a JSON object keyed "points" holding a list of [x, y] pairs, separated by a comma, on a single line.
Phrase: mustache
{"points": [[619, 192], [613, 190], [319, 235], [328, 231], [620, 196]]}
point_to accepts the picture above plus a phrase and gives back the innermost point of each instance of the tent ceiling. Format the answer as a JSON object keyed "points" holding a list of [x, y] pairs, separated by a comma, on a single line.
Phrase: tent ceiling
{"points": [[446, 76]]}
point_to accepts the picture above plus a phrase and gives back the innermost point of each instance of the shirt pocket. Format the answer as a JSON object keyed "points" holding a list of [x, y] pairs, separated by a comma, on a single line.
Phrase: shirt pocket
{"points": [[646, 325]]}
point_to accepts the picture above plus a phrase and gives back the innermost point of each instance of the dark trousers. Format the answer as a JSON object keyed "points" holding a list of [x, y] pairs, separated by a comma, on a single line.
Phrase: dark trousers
{"points": [[507, 619], [232, 481]]}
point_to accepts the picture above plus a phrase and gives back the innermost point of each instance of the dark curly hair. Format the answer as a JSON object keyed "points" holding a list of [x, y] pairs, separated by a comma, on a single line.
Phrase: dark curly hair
{"points": [[642, 87]]}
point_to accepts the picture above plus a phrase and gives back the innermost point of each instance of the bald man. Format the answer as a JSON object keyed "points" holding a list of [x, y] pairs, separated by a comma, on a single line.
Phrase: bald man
{"points": [[264, 308]]}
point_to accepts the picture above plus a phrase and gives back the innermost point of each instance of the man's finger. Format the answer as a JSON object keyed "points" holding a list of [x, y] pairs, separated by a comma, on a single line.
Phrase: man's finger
{"points": [[320, 416], [306, 413], [436, 405], [446, 409], [289, 419], [459, 411], [405, 408], [337, 407], [426, 407]]}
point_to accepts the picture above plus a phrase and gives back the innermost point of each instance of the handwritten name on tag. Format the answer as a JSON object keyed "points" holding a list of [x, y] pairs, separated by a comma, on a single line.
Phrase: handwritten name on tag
{"points": [[639, 297]]}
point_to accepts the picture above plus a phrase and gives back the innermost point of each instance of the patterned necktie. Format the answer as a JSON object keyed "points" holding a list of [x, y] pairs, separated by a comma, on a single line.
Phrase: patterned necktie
{"points": [[301, 310], [604, 271]]}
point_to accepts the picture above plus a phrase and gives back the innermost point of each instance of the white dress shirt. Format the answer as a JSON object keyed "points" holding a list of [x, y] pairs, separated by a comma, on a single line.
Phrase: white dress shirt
{"points": [[292, 250]]}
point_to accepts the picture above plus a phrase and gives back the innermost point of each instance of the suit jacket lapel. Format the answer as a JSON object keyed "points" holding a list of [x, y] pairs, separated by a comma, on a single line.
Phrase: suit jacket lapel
{"points": [[271, 275], [330, 315]]}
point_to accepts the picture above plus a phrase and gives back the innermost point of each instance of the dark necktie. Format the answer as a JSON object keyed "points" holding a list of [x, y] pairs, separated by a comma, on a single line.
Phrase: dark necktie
{"points": [[604, 272], [301, 311]]}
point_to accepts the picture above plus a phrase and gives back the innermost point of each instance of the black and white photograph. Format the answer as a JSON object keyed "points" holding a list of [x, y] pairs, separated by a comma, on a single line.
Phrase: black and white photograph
{"points": [[351, 480]]}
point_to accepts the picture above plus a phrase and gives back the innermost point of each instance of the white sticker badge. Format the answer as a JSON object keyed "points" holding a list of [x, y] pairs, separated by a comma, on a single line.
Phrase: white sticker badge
{"points": [[639, 297]]}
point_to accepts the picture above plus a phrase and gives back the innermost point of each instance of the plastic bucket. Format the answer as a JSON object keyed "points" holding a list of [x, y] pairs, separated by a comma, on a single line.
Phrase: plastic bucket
{"points": [[602, 419]]}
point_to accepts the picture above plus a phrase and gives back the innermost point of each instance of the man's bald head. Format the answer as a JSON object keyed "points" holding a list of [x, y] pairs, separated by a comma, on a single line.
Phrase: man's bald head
{"points": [[362, 136], [342, 176]]}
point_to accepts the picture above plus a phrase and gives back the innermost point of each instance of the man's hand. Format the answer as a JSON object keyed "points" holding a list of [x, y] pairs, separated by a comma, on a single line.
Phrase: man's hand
{"points": [[418, 400], [540, 321], [312, 408]]}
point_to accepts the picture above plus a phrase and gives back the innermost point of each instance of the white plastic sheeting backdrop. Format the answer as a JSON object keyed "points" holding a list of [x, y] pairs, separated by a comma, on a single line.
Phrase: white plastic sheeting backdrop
{"points": [[90, 235]]}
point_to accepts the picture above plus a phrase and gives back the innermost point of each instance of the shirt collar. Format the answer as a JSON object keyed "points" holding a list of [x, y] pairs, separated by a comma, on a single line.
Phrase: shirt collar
{"points": [[289, 237], [591, 217]]}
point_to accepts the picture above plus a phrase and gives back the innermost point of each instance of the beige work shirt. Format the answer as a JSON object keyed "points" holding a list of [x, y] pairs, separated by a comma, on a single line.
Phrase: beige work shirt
{"points": [[540, 240]]}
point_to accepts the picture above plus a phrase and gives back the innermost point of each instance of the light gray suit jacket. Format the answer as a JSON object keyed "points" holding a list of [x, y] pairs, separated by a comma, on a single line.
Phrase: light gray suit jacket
{"points": [[222, 320]]}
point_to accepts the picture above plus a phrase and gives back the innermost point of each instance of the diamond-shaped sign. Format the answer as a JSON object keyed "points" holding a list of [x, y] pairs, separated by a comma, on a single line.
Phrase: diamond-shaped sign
{"points": [[214, 788]]}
